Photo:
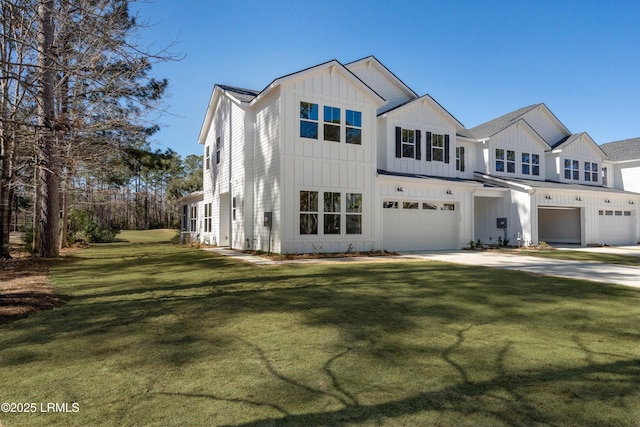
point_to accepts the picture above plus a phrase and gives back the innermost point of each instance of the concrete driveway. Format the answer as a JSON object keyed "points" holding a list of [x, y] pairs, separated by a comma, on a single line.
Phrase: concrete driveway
{"points": [[584, 270]]}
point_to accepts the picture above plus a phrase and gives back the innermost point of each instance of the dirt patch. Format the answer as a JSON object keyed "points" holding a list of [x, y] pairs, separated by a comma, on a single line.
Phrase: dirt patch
{"points": [[25, 288]]}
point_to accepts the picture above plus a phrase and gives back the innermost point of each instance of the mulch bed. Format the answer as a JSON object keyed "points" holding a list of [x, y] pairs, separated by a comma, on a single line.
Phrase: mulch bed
{"points": [[25, 288]]}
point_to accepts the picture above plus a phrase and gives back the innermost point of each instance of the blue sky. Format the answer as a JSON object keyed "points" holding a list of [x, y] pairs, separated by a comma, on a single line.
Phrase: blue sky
{"points": [[478, 59]]}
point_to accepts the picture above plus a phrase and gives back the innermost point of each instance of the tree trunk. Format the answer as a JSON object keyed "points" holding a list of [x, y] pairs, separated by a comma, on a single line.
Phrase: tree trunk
{"points": [[49, 165]]}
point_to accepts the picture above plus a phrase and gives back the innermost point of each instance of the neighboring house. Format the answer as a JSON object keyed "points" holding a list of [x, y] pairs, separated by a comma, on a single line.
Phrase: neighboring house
{"points": [[624, 158], [347, 157]]}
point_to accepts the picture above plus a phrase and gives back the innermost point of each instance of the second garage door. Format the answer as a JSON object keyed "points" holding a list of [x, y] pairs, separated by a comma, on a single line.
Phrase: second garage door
{"points": [[559, 225], [416, 226]]}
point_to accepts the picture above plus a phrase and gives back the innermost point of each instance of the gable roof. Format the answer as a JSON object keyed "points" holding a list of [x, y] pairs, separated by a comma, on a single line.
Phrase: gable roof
{"points": [[243, 95], [333, 63], [435, 104], [388, 73], [569, 139], [626, 149], [492, 127]]}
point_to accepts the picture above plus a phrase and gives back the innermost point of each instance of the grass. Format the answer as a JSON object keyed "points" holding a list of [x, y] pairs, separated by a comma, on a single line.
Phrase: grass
{"points": [[585, 256], [155, 334]]}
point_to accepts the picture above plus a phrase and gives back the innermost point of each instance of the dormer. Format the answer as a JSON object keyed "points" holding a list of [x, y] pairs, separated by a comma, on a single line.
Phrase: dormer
{"points": [[576, 159]]}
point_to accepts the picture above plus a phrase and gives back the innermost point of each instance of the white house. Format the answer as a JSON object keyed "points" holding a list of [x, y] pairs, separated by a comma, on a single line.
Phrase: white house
{"points": [[341, 157]]}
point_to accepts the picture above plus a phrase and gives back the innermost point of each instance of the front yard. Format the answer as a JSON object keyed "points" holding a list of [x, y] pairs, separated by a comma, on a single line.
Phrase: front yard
{"points": [[156, 334]]}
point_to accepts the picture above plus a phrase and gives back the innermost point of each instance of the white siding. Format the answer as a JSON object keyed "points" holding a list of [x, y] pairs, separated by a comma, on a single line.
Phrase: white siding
{"points": [[424, 118], [267, 163], [521, 139], [627, 176], [545, 125], [582, 151], [326, 166], [380, 83]]}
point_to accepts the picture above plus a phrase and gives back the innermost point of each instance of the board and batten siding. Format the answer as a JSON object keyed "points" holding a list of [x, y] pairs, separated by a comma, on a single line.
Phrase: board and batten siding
{"points": [[326, 166], [520, 139], [582, 151], [380, 83], [266, 175], [545, 125], [420, 117]]}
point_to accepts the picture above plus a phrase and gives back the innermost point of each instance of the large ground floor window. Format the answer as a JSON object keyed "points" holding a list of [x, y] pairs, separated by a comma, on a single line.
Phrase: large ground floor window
{"points": [[342, 213]]}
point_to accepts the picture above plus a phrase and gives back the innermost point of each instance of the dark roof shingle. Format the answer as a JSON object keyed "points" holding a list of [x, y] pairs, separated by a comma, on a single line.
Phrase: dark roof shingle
{"points": [[627, 149], [494, 126]]}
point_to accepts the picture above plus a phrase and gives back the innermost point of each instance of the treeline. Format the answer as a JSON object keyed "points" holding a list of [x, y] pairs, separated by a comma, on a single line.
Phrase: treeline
{"points": [[77, 110]]}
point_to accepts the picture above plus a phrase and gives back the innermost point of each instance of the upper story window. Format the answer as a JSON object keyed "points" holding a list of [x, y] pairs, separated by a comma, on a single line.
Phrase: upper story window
{"points": [[217, 150], [331, 124], [499, 160], [408, 143], [309, 120], [590, 171], [460, 159], [511, 161], [530, 164], [437, 147], [571, 169], [354, 127], [604, 176], [207, 158]]}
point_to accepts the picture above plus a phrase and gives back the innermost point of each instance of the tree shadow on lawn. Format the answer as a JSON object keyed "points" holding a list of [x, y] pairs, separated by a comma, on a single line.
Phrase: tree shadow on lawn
{"points": [[393, 315]]}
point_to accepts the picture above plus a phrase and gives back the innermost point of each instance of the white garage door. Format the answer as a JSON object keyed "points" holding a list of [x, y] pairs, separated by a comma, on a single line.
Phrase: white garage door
{"points": [[415, 226], [559, 225], [616, 227]]}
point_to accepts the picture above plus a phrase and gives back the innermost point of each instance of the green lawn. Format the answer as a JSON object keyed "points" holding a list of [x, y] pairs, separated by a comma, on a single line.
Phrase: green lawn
{"points": [[609, 258], [156, 334]]}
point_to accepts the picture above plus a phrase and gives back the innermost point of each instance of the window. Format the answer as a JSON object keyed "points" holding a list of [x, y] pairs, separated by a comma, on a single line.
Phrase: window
{"points": [[354, 127], [309, 120], [308, 212], [618, 213], [511, 161], [233, 210], [437, 147], [331, 124], [194, 217], [207, 157], [430, 206], [389, 205], [499, 160], [410, 205], [331, 213], [185, 215], [535, 164], [608, 213], [627, 213], [207, 217], [408, 143], [448, 207], [590, 171], [526, 163], [571, 169], [354, 213], [604, 176], [460, 159], [217, 150]]}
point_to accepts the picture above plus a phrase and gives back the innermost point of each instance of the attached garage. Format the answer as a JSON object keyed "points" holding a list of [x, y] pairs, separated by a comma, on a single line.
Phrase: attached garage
{"points": [[420, 225], [617, 227], [559, 225]]}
